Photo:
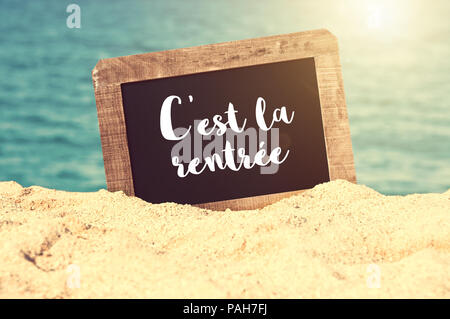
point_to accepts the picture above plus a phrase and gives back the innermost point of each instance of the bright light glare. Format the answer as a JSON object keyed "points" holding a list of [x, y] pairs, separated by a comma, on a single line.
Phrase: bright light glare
{"points": [[382, 14]]}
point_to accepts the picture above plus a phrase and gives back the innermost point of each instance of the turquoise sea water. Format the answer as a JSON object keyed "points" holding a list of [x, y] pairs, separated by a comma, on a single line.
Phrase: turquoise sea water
{"points": [[394, 54]]}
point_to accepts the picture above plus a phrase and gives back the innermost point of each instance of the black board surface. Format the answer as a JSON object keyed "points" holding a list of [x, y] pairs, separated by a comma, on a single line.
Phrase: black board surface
{"points": [[292, 84]]}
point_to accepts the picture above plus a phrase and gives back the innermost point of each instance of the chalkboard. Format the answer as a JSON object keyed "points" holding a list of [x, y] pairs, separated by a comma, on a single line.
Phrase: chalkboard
{"points": [[276, 105], [292, 84]]}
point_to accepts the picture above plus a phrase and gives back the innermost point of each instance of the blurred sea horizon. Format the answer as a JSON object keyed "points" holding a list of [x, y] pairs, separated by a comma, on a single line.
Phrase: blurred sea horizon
{"points": [[394, 56]]}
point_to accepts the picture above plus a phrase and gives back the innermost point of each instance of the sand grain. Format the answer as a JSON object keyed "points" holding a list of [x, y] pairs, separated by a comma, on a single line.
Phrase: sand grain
{"points": [[317, 244]]}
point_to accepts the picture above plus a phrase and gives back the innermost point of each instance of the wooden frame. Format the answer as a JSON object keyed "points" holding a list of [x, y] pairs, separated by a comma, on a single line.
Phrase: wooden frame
{"points": [[322, 45]]}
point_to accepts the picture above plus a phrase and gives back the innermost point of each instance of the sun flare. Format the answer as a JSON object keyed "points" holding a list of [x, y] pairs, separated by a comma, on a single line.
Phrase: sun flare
{"points": [[382, 15]]}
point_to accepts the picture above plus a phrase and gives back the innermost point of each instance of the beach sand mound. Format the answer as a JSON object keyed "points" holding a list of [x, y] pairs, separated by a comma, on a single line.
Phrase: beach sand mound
{"points": [[336, 240]]}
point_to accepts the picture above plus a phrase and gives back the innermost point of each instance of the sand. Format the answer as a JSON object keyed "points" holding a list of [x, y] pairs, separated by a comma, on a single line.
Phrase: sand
{"points": [[337, 240]]}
